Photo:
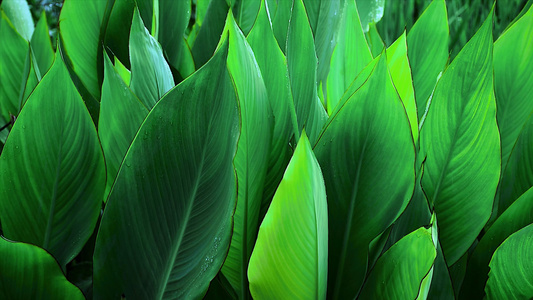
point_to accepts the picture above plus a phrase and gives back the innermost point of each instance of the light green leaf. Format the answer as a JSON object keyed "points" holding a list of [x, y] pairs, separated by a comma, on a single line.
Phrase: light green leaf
{"points": [[427, 48], [53, 163], [375, 42], [290, 256], [399, 272], [370, 11], [280, 21], [302, 64], [511, 268], [513, 85], [124, 73], [151, 77], [18, 12], [13, 56], [350, 56], [29, 272], [273, 67], [400, 72], [251, 160], [41, 45], [172, 246], [517, 216], [121, 115], [366, 133], [81, 23], [460, 137]]}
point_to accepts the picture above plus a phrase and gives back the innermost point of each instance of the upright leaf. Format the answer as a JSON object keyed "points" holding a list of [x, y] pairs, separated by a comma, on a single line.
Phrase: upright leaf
{"points": [[513, 58], [302, 63], [53, 164], [210, 31], [245, 13], [251, 160], [290, 256], [151, 77], [121, 115], [371, 11], [511, 268], [29, 272], [280, 21], [350, 56], [460, 137], [19, 13], [427, 48], [366, 135], [399, 272], [181, 160], [41, 45]]}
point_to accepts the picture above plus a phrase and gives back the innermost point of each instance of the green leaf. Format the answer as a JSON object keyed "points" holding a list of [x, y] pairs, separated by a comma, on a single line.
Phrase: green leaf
{"points": [[350, 56], [151, 77], [117, 34], [251, 160], [517, 216], [245, 13], [366, 133], [511, 268], [427, 48], [53, 164], [280, 21], [290, 256], [80, 34], [210, 31], [41, 45], [370, 11], [19, 13], [461, 140], [302, 64], [29, 272], [181, 159], [121, 115], [122, 71], [273, 66], [400, 72], [375, 41], [13, 56], [399, 272]]}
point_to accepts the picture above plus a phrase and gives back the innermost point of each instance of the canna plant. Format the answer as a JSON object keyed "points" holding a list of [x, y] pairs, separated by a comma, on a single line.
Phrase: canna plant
{"points": [[265, 149]]}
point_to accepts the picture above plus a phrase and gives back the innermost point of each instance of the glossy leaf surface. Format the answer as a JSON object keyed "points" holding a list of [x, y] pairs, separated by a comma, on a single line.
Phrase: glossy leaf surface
{"points": [[53, 142], [461, 140], [290, 256], [181, 160], [19, 13]]}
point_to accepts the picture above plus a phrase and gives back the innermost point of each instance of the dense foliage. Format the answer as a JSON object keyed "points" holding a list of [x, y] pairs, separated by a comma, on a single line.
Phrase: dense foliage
{"points": [[266, 149]]}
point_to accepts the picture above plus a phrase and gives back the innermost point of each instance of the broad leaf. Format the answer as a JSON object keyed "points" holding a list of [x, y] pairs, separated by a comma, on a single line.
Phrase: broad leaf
{"points": [[427, 48], [511, 267], [121, 115], [151, 77], [368, 132], [302, 63], [461, 140], [41, 46], [19, 13], [53, 165], [210, 31], [29, 272], [251, 160], [350, 56], [290, 256], [399, 272], [181, 160], [517, 216], [371, 11], [245, 13], [280, 20]]}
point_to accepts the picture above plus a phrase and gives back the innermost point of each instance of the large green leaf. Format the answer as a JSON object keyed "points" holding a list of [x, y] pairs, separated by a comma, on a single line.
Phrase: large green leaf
{"points": [[245, 13], [209, 33], [427, 48], [290, 256], [13, 56], [511, 268], [399, 272], [19, 13], [513, 85], [41, 46], [181, 161], [81, 22], [53, 164], [367, 156], [29, 272], [121, 115], [280, 20], [251, 160], [515, 217], [117, 33], [302, 64], [461, 140], [273, 67], [350, 56], [151, 77]]}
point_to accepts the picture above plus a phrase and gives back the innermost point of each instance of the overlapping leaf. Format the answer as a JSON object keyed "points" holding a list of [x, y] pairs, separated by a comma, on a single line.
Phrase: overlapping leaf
{"points": [[41, 46], [291, 253]]}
